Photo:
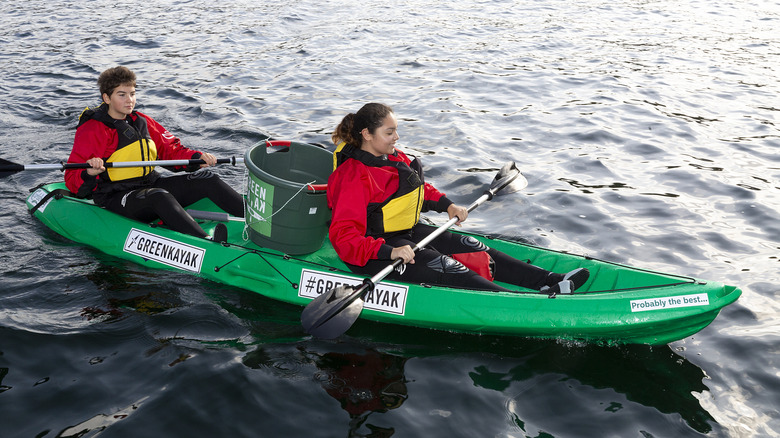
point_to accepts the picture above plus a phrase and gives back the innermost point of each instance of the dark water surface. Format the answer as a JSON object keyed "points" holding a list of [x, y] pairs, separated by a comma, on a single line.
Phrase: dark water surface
{"points": [[648, 131]]}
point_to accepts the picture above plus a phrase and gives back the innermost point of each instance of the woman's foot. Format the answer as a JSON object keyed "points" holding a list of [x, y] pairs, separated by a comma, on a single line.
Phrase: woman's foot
{"points": [[571, 281]]}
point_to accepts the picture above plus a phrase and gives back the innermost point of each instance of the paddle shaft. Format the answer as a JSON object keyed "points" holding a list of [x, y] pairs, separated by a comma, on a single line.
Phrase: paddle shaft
{"points": [[428, 239], [7, 166]]}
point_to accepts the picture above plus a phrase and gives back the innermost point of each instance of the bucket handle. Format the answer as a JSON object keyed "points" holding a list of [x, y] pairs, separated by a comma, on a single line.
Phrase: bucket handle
{"points": [[316, 188], [277, 146]]}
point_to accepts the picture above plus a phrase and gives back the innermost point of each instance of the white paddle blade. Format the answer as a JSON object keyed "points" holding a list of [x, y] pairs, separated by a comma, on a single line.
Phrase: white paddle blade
{"points": [[508, 180]]}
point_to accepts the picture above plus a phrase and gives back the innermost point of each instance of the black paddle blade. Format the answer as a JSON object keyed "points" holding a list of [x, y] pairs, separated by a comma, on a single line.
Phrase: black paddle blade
{"points": [[508, 180], [333, 313], [8, 168]]}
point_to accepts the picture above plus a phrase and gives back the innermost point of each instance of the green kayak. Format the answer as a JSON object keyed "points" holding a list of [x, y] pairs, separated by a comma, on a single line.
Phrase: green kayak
{"points": [[618, 304]]}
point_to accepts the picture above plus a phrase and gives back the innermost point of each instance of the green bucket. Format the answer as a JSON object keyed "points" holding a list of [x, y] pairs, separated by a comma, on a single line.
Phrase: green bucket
{"points": [[287, 209]]}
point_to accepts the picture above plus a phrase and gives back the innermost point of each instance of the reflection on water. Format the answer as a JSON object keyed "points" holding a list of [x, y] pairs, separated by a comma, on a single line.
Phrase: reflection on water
{"points": [[536, 378], [656, 378], [363, 381], [98, 423]]}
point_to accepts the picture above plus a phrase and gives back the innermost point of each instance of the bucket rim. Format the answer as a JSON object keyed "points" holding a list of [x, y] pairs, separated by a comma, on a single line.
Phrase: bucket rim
{"points": [[312, 187]]}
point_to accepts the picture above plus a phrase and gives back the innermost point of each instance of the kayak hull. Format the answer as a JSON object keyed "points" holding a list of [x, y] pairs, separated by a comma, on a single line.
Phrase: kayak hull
{"points": [[618, 304]]}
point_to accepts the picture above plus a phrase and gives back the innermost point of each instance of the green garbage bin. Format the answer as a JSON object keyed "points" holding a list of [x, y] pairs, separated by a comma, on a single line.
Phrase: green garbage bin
{"points": [[287, 209]]}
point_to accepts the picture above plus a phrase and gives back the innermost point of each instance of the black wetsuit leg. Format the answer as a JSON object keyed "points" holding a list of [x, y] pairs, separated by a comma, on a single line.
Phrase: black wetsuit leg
{"points": [[429, 267], [507, 269], [192, 187], [168, 196], [147, 205], [433, 265]]}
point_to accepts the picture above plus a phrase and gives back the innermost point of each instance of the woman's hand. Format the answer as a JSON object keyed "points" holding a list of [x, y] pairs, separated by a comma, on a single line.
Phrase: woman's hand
{"points": [[403, 252], [456, 210], [210, 160], [97, 166]]}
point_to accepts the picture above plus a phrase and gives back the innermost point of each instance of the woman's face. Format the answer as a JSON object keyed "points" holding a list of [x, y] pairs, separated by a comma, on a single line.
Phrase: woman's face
{"points": [[121, 102], [382, 140]]}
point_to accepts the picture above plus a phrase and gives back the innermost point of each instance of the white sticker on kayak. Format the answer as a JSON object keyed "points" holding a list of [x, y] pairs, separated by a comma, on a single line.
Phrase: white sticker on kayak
{"points": [[388, 298], [36, 197], [669, 302], [166, 251]]}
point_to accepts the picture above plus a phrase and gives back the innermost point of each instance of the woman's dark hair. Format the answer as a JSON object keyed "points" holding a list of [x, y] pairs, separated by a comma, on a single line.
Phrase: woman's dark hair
{"points": [[112, 78], [370, 116]]}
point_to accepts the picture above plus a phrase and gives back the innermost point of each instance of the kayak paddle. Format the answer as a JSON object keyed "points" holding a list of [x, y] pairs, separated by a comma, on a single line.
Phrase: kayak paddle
{"points": [[8, 168], [333, 312]]}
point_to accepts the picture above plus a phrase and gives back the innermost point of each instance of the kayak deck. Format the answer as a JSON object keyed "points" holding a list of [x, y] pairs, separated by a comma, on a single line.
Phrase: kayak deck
{"points": [[618, 303]]}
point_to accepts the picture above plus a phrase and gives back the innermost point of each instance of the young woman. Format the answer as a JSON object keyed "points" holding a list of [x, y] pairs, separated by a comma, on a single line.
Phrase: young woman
{"points": [[377, 194], [114, 132]]}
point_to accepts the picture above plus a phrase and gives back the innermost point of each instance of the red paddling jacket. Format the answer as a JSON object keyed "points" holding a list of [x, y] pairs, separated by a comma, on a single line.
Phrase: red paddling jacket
{"points": [[136, 138], [375, 197]]}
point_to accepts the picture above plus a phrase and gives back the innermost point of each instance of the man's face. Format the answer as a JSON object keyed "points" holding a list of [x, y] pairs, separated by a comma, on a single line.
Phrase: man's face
{"points": [[121, 101]]}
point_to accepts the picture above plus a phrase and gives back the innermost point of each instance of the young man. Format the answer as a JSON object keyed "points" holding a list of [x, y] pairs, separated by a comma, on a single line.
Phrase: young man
{"points": [[115, 132]]}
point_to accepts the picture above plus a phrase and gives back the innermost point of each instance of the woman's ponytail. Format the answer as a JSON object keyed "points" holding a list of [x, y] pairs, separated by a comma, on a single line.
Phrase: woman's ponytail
{"points": [[343, 132]]}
